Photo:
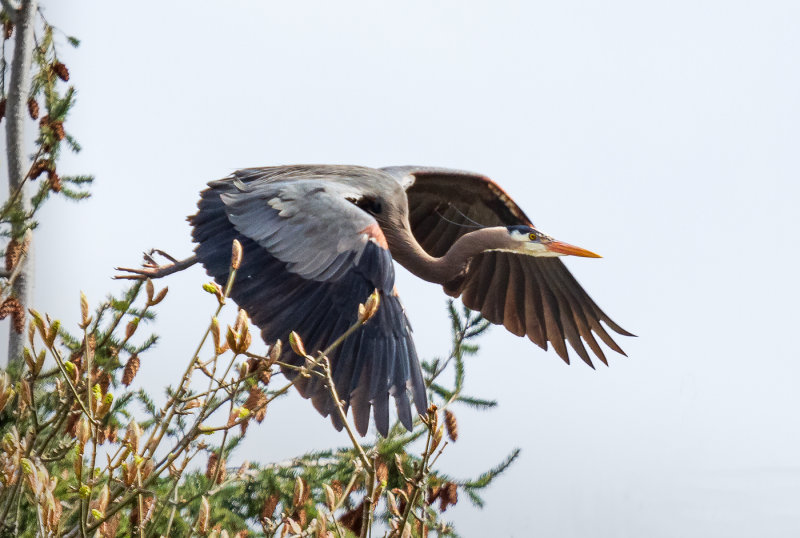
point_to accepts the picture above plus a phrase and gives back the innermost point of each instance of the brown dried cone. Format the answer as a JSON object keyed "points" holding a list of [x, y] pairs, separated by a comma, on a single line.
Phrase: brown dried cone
{"points": [[353, 519], [77, 359], [12, 307], [13, 250], [451, 425], [2, 108], [433, 493], [104, 381], [71, 426], [270, 504], [33, 108], [301, 516], [448, 495], [39, 167], [131, 368], [61, 71], [336, 486], [58, 129], [55, 181], [264, 373], [148, 505], [211, 469], [257, 403], [8, 29], [109, 528]]}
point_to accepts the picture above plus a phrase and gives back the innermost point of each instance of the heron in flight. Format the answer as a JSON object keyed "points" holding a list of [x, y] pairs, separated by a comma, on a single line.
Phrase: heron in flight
{"points": [[319, 239]]}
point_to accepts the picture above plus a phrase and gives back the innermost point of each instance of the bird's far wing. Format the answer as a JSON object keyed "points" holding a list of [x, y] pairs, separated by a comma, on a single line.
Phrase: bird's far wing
{"points": [[536, 297], [310, 257]]}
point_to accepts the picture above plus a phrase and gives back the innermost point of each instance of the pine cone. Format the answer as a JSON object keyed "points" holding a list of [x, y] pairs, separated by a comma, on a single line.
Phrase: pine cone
{"points": [[451, 425], [72, 423], [12, 307], [58, 129], [211, 468], [39, 167], [61, 71], [131, 367], [270, 504], [8, 29], [448, 495], [2, 108], [353, 519], [104, 382], [55, 181], [13, 250], [33, 108]]}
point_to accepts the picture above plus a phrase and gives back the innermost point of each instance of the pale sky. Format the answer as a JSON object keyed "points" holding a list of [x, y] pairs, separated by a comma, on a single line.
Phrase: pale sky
{"points": [[663, 135]]}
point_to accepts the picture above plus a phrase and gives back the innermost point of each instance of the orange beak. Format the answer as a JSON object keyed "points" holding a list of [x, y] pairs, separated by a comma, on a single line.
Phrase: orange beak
{"points": [[570, 250]]}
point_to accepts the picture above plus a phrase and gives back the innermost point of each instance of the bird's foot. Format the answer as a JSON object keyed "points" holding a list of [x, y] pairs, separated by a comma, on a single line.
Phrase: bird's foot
{"points": [[152, 269]]}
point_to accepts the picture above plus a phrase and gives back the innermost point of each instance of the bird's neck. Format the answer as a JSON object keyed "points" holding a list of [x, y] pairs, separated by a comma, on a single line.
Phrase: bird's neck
{"points": [[409, 253]]}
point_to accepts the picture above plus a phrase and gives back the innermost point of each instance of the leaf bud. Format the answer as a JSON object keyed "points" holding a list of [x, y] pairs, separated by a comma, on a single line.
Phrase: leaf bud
{"points": [[231, 338], [83, 431], [24, 389], [159, 296], [214, 289], [236, 254], [133, 435], [202, 517], [367, 310], [26, 354], [105, 407], [85, 319], [297, 344], [149, 289], [275, 353], [330, 497], [102, 501], [130, 328]]}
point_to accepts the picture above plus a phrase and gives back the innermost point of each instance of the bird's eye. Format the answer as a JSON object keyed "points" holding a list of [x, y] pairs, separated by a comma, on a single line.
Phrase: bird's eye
{"points": [[532, 236]]}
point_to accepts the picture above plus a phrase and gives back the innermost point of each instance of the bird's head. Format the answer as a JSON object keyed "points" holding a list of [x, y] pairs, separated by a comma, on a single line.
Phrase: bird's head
{"points": [[531, 242]]}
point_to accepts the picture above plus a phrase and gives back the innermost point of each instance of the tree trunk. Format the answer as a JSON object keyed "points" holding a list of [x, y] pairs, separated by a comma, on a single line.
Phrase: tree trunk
{"points": [[16, 110]]}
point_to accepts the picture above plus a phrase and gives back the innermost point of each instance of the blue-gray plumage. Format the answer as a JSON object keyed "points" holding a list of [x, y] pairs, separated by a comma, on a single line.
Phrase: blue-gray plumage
{"points": [[318, 240]]}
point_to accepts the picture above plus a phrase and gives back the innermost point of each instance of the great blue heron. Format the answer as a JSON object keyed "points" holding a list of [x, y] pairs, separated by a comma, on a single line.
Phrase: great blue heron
{"points": [[319, 239]]}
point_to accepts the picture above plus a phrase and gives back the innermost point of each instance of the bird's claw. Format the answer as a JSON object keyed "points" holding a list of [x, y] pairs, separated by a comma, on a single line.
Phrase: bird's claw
{"points": [[150, 267]]}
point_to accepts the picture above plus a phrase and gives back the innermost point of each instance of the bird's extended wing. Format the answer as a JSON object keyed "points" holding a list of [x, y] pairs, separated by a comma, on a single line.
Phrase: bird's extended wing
{"points": [[532, 296], [310, 257]]}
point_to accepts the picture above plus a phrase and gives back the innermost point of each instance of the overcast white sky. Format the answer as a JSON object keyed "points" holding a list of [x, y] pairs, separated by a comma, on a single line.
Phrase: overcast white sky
{"points": [[663, 135]]}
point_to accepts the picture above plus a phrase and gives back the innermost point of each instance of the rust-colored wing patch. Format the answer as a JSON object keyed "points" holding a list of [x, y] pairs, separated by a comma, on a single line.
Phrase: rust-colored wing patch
{"points": [[375, 234]]}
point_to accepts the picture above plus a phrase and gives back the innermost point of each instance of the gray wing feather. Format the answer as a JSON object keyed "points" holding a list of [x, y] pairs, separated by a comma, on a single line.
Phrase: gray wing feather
{"points": [[309, 225]]}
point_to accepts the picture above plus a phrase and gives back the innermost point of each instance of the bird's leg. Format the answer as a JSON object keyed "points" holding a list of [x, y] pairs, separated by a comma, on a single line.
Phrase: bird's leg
{"points": [[152, 269]]}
